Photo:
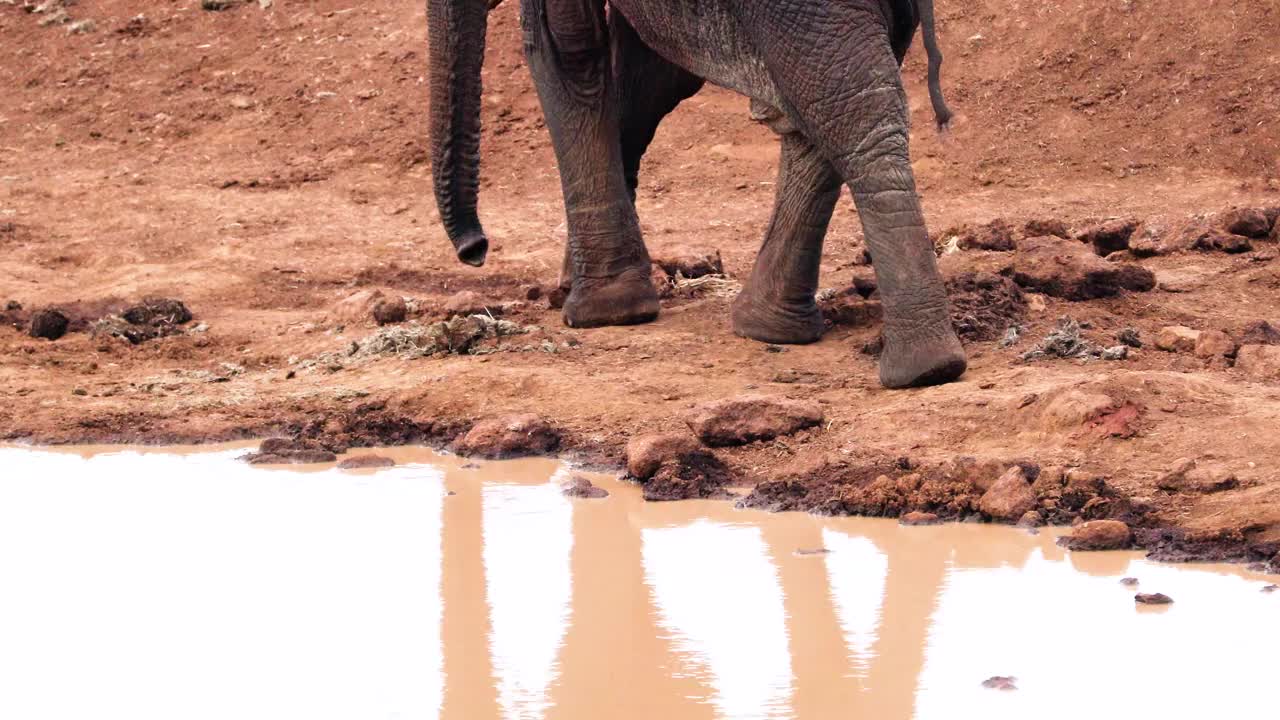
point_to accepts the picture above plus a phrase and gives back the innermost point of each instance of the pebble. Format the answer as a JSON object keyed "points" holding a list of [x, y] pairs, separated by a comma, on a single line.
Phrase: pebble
{"points": [[1152, 599]]}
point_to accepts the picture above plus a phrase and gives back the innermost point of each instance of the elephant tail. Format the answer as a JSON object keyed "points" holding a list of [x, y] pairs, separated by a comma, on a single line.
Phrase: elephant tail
{"points": [[456, 30], [940, 110]]}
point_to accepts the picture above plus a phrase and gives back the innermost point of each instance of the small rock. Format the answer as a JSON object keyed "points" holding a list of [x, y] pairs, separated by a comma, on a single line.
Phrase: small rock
{"points": [[1259, 332], [1152, 599], [749, 418], [1117, 352], [358, 307], [646, 453], [1010, 497], [49, 323], [1175, 479], [1129, 581], [1099, 535], [1109, 237], [1214, 344], [580, 487], [1031, 519], [80, 392], [1248, 222], [364, 462], [466, 302], [919, 518], [390, 311], [1130, 337], [1261, 362], [1177, 338], [509, 436], [1270, 588], [531, 292], [1000, 682], [240, 102]]}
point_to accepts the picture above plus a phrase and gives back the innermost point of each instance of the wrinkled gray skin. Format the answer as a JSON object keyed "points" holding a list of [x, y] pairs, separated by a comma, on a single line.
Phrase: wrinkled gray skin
{"points": [[823, 74]]}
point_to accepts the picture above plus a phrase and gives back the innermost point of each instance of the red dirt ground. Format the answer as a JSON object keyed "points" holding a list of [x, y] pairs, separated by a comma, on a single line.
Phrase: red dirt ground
{"points": [[265, 166]]}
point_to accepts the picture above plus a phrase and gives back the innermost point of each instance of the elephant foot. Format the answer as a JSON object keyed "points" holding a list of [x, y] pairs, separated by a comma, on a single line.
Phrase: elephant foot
{"points": [[934, 361], [776, 323], [628, 299]]}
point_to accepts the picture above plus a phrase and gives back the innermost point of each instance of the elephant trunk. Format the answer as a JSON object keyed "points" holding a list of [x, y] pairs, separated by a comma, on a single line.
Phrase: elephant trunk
{"points": [[940, 110], [456, 29]]}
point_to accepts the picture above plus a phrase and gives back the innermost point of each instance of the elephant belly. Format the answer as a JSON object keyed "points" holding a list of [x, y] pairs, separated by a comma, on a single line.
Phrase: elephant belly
{"points": [[705, 38]]}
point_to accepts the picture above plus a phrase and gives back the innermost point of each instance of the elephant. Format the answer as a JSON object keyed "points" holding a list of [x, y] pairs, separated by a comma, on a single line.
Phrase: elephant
{"points": [[823, 74]]}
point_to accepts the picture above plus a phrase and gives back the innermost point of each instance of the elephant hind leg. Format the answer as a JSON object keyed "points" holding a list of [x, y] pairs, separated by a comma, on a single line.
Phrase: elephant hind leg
{"points": [[567, 47], [649, 88], [777, 305], [847, 98]]}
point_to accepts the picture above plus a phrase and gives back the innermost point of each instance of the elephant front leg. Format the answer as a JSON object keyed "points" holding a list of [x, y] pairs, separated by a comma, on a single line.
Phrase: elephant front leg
{"points": [[777, 305], [567, 47]]}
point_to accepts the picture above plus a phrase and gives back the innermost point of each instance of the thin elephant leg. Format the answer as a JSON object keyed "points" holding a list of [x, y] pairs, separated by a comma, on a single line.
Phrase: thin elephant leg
{"points": [[777, 305], [567, 47], [649, 88]]}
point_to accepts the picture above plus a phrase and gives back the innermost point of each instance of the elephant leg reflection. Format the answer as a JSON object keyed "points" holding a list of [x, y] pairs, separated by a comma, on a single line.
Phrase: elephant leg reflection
{"points": [[614, 656], [819, 658], [469, 688], [917, 570]]}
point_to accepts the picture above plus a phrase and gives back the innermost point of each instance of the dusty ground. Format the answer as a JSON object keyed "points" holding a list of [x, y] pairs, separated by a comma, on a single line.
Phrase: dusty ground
{"points": [[268, 169]]}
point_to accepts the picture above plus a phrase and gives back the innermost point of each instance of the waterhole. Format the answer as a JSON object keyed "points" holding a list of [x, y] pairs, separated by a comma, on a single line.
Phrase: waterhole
{"points": [[186, 584]]}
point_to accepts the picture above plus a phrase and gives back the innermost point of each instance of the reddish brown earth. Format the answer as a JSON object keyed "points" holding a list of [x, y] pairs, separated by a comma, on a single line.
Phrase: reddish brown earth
{"points": [[268, 169]]}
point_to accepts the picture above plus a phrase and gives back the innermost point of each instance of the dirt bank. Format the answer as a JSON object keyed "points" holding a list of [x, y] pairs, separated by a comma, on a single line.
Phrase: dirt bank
{"points": [[267, 168]]}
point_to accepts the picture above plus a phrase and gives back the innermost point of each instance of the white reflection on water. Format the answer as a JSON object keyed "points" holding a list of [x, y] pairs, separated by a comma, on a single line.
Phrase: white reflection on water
{"points": [[528, 537], [719, 597], [169, 586], [857, 571], [1080, 647], [165, 586]]}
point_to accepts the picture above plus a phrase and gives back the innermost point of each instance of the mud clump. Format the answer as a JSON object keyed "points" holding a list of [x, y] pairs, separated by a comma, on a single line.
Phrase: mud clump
{"points": [[1152, 599], [1099, 535], [509, 436], [995, 236], [875, 487], [366, 462], [1043, 227], [646, 453], [580, 487], [152, 318], [1259, 332], [984, 306], [850, 309], [290, 451], [689, 263], [1109, 237], [49, 324], [1050, 266], [1247, 222], [697, 476], [749, 418]]}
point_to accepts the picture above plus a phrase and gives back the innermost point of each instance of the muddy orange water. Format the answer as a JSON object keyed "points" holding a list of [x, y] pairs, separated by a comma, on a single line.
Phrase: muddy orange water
{"points": [[181, 584]]}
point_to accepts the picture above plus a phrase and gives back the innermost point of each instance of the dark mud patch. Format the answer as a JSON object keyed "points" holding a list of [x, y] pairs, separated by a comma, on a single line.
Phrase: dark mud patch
{"points": [[984, 306]]}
